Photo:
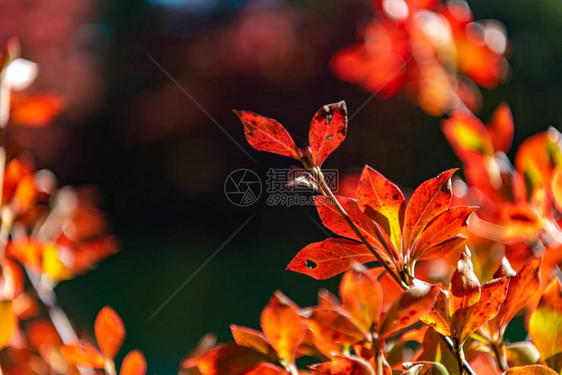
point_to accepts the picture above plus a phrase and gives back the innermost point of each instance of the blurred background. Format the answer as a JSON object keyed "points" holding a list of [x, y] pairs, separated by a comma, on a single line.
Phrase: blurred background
{"points": [[159, 162]]}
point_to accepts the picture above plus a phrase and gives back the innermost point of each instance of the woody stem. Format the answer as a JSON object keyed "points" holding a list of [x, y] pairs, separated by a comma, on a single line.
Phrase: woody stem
{"points": [[456, 349]]}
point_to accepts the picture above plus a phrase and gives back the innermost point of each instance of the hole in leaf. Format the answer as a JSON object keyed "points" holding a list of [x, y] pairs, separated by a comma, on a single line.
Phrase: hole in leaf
{"points": [[310, 264]]}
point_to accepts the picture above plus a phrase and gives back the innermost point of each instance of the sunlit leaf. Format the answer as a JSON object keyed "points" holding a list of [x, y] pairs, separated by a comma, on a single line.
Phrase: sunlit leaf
{"points": [[429, 200], [343, 366], [7, 322], [266, 134], [250, 338], [500, 128], [82, 354], [361, 297], [414, 303], [556, 187], [334, 326], [375, 192], [266, 369], [110, 332], [225, 359], [134, 363], [327, 131], [424, 368], [467, 135], [282, 326], [545, 325], [325, 259], [439, 317], [444, 227], [464, 290], [530, 370]]}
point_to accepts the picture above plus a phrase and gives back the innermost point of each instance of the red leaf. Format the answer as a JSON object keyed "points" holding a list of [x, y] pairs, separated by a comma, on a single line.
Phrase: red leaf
{"points": [[332, 220], [409, 308], [439, 317], [82, 354], [266, 134], [322, 260], [443, 227], [464, 290], [442, 249], [521, 289], [343, 366], [382, 196], [362, 297], [327, 131], [467, 135], [225, 359], [334, 327], [500, 128], [110, 332], [429, 200], [282, 326], [134, 363], [266, 369]]}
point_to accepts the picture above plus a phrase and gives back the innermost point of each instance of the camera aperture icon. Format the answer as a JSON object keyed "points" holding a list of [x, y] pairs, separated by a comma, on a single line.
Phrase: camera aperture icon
{"points": [[243, 187]]}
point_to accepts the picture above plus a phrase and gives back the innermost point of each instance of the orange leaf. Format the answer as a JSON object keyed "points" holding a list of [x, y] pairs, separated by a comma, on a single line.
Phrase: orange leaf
{"points": [[492, 295], [134, 363], [82, 354], [445, 226], [110, 332], [343, 366], [545, 325], [556, 187], [409, 308], [334, 327], [361, 297], [327, 131], [225, 359], [467, 135], [382, 196], [521, 289], [464, 290], [439, 317], [8, 322], [250, 338], [266, 369], [442, 249], [332, 220], [266, 134], [282, 326], [500, 128], [34, 110], [429, 200], [325, 259], [530, 370]]}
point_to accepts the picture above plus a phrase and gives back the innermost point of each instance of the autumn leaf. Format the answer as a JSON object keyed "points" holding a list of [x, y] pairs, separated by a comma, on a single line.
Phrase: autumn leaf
{"points": [[545, 324], [467, 135], [251, 338], [134, 363], [266, 134], [424, 368], [333, 220], [380, 195], [334, 326], [444, 227], [328, 258], [439, 318], [82, 354], [556, 187], [522, 287], [8, 322], [362, 297], [464, 290], [225, 359], [110, 332], [530, 370], [327, 131], [266, 369], [282, 326], [500, 128], [414, 303], [429, 200], [340, 365]]}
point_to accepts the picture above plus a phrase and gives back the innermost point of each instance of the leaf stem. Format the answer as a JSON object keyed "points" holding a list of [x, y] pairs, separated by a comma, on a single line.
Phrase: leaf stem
{"points": [[326, 191], [458, 352]]}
